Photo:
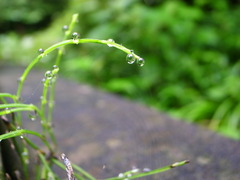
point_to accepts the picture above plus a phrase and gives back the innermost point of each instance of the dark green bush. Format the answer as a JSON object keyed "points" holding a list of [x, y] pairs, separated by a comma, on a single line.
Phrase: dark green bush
{"points": [[191, 51], [26, 15]]}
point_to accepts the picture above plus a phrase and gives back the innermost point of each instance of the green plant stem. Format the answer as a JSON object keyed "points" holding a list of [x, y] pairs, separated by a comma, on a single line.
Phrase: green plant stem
{"points": [[83, 172], [7, 95], [61, 165], [22, 132], [57, 63], [50, 174], [152, 172], [64, 43]]}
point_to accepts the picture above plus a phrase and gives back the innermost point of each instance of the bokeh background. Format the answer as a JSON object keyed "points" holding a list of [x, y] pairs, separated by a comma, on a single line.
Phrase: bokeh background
{"points": [[191, 48]]}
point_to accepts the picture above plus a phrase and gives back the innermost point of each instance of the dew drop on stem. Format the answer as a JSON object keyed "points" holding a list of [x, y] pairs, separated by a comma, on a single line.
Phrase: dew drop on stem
{"points": [[140, 62], [65, 28], [48, 75], [130, 58], [43, 80], [55, 69], [111, 41], [41, 50], [75, 37], [32, 117]]}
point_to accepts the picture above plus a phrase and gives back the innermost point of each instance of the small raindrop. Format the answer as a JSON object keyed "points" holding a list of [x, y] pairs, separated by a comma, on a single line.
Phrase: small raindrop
{"points": [[19, 79], [75, 37], [140, 62], [18, 127], [32, 117], [146, 169], [55, 70], [7, 110], [41, 50], [49, 75], [130, 59], [65, 28], [43, 80], [121, 175], [135, 170], [111, 41], [25, 153], [55, 67]]}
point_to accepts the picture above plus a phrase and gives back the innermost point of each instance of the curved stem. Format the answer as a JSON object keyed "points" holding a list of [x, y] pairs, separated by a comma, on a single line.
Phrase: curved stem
{"points": [[63, 43]]}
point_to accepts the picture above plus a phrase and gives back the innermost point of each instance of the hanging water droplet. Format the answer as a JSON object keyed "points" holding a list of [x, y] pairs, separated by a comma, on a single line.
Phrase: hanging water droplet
{"points": [[75, 37], [49, 75], [146, 169], [141, 62], [19, 79], [55, 69], [41, 50], [43, 80], [65, 28], [111, 41], [130, 59], [32, 117], [121, 175], [7, 110], [24, 153]]}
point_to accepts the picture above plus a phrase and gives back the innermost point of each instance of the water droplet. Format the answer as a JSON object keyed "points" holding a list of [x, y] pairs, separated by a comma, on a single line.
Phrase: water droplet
{"points": [[43, 80], [19, 79], [140, 62], [130, 59], [121, 175], [18, 127], [32, 117], [75, 37], [7, 110], [55, 69], [41, 50], [65, 28], [111, 41], [25, 153], [135, 170], [49, 75], [146, 169]]}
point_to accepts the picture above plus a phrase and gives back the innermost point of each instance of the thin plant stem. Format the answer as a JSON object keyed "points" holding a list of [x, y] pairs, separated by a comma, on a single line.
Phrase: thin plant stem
{"points": [[64, 43], [131, 175], [67, 33], [48, 169]]}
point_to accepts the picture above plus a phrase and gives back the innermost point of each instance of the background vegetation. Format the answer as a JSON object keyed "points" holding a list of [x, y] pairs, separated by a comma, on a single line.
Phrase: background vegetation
{"points": [[191, 49]]}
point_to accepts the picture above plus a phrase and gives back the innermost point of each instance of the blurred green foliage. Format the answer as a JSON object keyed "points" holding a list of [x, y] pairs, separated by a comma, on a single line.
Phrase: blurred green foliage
{"points": [[191, 50], [26, 15]]}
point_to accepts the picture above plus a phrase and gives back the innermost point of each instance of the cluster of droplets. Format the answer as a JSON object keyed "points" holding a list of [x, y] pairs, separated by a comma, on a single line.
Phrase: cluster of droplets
{"points": [[19, 128], [129, 174], [132, 58], [75, 37], [50, 75]]}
